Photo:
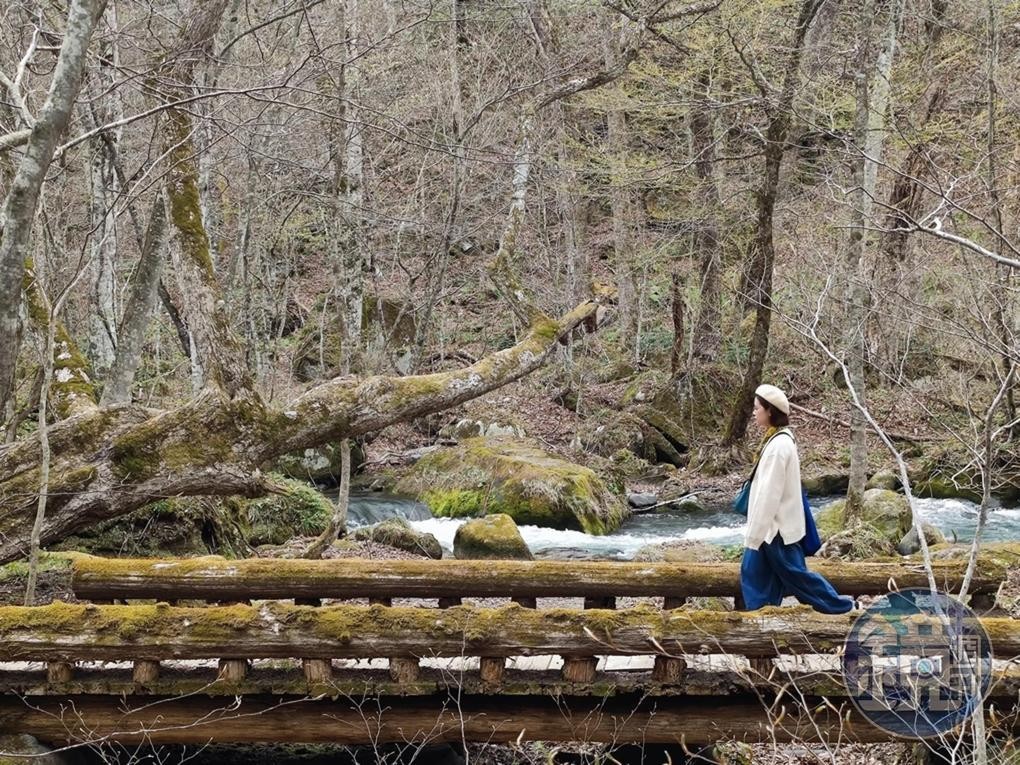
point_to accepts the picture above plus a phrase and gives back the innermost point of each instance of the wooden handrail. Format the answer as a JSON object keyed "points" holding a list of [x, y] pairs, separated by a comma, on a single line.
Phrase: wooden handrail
{"points": [[218, 579]]}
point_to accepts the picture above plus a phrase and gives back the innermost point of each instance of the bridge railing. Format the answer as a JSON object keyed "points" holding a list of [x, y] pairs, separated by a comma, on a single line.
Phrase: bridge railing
{"points": [[147, 634], [218, 579], [340, 631]]}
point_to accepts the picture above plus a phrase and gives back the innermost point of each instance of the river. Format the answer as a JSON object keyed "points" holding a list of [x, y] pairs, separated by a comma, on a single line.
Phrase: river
{"points": [[715, 525]]}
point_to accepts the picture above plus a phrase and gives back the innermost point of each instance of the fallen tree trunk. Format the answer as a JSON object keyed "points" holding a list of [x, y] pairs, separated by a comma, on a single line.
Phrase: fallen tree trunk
{"points": [[109, 461], [72, 632], [424, 721], [230, 580]]}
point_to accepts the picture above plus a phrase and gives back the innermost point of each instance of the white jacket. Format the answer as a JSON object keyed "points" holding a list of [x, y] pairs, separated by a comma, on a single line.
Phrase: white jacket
{"points": [[775, 504]]}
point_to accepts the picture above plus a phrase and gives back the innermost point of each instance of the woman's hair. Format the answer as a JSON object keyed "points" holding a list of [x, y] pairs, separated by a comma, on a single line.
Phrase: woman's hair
{"points": [[777, 418]]}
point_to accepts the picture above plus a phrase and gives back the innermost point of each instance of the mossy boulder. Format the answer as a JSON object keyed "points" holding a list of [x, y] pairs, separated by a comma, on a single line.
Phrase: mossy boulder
{"points": [[295, 510], [826, 484], [911, 542], [492, 537], [938, 476], [397, 532], [645, 431], [609, 432], [859, 541], [687, 504], [482, 476], [884, 511], [940, 486], [884, 479], [320, 465]]}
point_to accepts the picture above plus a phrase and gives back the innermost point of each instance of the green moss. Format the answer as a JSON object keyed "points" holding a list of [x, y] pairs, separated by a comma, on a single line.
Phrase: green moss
{"points": [[71, 384], [295, 509], [170, 527], [942, 487], [887, 512], [493, 537], [455, 503], [484, 476], [397, 532], [47, 562]]}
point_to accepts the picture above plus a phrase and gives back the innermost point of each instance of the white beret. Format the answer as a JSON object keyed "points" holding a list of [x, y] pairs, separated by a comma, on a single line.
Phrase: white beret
{"points": [[774, 396]]}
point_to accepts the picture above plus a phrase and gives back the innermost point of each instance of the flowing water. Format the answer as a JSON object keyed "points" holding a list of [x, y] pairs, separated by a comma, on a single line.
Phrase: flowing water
{"points": [[715, 525]]}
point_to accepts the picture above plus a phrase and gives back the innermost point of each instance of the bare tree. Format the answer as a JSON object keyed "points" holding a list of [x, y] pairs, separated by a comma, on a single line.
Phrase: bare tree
{"points": [[19, 208]]}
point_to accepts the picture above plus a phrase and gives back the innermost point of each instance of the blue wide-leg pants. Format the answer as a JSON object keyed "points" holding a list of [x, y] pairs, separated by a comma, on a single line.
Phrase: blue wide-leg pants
{"points": [[777, 569]]}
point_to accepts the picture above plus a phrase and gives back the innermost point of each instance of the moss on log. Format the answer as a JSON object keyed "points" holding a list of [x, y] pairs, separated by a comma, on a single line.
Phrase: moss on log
{"points": [[218, 579], [68, 632]]}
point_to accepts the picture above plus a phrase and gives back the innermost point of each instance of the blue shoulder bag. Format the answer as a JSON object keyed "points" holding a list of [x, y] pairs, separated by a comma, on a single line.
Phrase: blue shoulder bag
{"points": [[811, 541], [744, 495]]}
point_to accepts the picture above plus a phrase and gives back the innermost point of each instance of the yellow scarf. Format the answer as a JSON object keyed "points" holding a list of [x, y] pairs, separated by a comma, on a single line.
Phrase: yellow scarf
{"points": [[772, 430]]}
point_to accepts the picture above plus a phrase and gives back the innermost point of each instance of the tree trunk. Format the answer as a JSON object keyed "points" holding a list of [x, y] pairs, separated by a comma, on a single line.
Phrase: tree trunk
{"points": [[872, 104], [104, 194], [623, 209], [23, 197], [906, 194], [678, 308], [436, 276], [1003, 301], [706, 335], [763, 250], [138, 311], [213, 343]]}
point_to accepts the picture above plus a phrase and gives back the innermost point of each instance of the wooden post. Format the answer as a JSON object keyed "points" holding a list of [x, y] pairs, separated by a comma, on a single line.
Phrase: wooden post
{"points": [[491, 669], [404, 670], [579, 670], [582, 670], [450, 602], [145, 672], [59, 671], [669, 670], [761, 665], [317, 670], [233, 670]]}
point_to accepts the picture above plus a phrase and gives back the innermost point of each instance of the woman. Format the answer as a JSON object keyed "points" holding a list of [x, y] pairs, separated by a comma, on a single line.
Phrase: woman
{"points": [[773, 562]]}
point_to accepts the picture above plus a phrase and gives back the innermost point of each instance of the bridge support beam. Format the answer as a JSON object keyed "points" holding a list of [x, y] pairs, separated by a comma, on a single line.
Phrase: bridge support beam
{"points": [[429, 720]]}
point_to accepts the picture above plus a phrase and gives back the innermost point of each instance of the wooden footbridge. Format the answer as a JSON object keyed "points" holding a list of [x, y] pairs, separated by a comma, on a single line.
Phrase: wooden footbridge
{"points": [[353, 651]]}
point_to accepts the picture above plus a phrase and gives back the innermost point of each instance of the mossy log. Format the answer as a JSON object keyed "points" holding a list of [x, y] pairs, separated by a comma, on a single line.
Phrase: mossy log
{"points": [[70, 632], [434, 720], [219, 579], [111, 460]]}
